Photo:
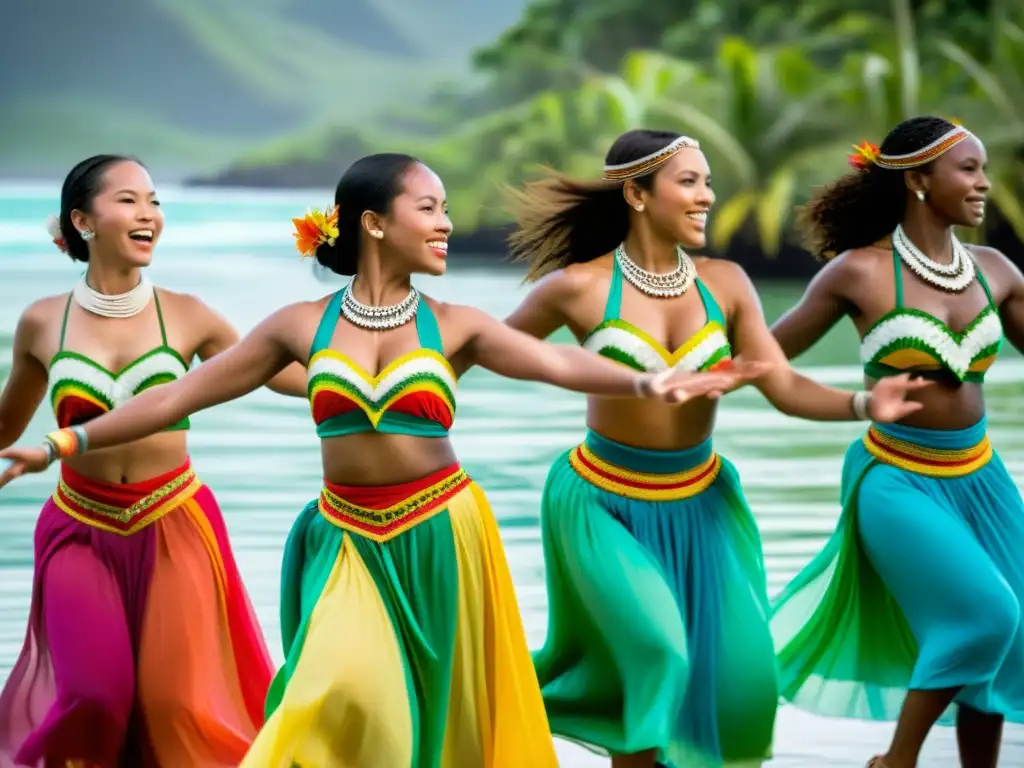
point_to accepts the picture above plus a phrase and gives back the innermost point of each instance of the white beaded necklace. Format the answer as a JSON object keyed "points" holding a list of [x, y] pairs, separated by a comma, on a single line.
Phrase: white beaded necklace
{"points": [[119, 305], [953, 277], [379, 318], [661, 285]]}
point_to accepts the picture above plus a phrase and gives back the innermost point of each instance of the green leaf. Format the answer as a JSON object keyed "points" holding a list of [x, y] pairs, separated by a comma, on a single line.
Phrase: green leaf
{"points": [[773, 209], [730, 218]]}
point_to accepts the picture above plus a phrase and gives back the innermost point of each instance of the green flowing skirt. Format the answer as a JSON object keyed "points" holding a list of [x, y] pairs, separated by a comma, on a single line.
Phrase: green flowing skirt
{"points": [[658, 632]]}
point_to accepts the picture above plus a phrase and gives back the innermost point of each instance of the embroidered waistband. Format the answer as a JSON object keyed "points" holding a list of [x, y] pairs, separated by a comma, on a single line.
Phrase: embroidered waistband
{"points": [[384, 512], [644, 486], [124, 509], [922, 460]]}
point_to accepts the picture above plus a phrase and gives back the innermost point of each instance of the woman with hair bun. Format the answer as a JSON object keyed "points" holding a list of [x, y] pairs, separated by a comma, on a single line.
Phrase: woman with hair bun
{"points": [[401, 631], [658, 648], [142, 647], [914, 603]]}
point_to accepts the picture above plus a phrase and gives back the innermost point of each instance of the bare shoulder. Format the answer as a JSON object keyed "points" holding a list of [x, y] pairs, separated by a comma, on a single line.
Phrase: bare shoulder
{"points": [[723, 277], [41, 313], [995, 263]]}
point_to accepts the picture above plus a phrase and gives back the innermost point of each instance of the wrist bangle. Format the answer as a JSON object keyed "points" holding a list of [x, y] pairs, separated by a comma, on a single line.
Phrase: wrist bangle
{"points": [[640, 384], [51, 452], [860, 403], [68, 442]]}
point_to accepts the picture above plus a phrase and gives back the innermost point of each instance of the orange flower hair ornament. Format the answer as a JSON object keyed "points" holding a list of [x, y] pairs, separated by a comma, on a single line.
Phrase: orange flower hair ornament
{"points": [[864, 155], [315, 229], [53, 228]]}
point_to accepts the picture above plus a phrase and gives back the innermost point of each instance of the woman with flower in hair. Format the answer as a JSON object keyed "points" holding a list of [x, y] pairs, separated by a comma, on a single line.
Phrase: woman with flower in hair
{"points": [[914, 603], [402, 636], [142, 647], [658, 647]]}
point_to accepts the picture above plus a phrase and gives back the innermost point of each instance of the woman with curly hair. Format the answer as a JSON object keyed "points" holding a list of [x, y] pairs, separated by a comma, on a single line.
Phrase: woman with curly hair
{"points": [[914, 603]]}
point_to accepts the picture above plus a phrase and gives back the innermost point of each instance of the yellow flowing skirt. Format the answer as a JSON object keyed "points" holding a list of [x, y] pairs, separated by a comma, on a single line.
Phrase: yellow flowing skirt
{"points": [[402, 635]]}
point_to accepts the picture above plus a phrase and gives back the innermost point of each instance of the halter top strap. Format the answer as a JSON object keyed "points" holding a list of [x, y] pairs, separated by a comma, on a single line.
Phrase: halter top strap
{"points": [[613, 305], [614, 302], [427, 329], [67, 311], [898, 272]]}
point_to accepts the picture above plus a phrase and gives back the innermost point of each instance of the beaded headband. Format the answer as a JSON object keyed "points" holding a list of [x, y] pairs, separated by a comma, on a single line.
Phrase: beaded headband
{"points": [[645, 165], [866, 154]]}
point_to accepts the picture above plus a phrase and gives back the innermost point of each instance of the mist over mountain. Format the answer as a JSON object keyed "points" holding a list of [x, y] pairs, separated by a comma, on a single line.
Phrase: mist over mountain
{"points": [[187, 84]]}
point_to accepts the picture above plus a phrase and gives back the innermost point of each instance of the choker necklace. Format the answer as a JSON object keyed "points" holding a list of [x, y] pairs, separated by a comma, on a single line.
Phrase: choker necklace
{"points": [[661, 285], [379, 318], [953, 277], [119, 305]]}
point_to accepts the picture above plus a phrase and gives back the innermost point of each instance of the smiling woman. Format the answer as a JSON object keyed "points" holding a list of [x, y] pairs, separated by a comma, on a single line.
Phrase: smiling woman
{"points": [[402, 637], [116, 665], [658, 649], [879, 625]]}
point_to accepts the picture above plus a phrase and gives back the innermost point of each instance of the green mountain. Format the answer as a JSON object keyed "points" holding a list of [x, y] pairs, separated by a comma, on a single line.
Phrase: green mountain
{"points": [[191, 84]]}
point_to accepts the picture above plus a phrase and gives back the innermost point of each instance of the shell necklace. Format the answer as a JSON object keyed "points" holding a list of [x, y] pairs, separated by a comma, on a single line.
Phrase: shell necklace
{"points": [[119, 305], [379, 318], [661, 285], [953, 277]]}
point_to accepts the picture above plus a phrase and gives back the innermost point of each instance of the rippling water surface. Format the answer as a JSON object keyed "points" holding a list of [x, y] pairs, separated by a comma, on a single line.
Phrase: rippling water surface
{"points": [[261, 457]]}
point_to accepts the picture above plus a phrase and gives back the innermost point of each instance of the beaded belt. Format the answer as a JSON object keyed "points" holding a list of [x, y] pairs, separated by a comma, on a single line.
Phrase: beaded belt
{"points": [[410, 504], [644, 486], [90, 501], [933, 462]]}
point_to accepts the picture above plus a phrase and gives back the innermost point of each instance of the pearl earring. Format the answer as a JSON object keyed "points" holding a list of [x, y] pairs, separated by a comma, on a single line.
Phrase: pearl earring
{"points": [[639, 208], [376, 233], [87, 234], [920, 195]]}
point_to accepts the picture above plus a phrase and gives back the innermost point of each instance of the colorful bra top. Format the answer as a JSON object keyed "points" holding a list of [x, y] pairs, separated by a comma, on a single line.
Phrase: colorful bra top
{"points": [[413, 395], [623, 342], [907, 340], [82, 389]]}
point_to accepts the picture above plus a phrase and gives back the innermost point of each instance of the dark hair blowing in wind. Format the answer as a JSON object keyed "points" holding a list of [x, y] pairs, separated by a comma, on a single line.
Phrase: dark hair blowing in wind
{"points": [[563, 221], [864, 206]]}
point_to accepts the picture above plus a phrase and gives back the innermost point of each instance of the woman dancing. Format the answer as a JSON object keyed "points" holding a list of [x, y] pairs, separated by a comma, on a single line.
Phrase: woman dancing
{"points": [[914, 603], [142, 648], [402, 635], [658, 647]]}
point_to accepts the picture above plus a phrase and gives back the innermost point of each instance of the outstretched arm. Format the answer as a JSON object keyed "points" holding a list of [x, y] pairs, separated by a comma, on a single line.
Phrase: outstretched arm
{"points": [[823, 304], [542, 312], [221, 335], [26, 384], [516, 355], [795, 394]]}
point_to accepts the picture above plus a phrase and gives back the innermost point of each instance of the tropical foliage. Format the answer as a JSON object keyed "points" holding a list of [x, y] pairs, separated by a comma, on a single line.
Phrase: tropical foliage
{"points": [[776, 108]]}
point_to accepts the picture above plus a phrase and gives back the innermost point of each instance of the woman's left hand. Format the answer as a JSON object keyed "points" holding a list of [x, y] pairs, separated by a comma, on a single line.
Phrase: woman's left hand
{"points": [[889, 401], [678, 386]]}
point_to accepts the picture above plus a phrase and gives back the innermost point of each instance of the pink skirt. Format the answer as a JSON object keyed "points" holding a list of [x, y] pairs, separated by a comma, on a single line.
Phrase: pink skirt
{"points": [[142, 647]]}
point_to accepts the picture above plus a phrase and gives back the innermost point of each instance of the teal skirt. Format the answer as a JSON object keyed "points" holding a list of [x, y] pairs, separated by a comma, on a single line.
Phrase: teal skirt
{"points": [[919, 587], [658, 611]]}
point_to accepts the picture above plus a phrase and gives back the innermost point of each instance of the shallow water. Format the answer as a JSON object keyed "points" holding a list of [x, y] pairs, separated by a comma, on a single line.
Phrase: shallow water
{"points": [[234, 250]]}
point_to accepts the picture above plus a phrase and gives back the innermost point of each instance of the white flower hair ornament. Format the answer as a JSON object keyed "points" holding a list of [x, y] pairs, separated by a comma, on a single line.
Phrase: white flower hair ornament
{"points": [[53, 228]]}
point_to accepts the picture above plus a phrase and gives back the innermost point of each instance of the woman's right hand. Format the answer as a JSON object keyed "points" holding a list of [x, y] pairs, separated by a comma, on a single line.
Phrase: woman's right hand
{"points": [[15, 462], [678, 386]]}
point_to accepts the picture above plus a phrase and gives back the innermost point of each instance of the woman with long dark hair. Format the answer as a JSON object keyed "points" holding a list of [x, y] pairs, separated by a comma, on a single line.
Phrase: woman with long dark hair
{"points": [[401, 631], [658, 648], [914, 603], [142, 647]]}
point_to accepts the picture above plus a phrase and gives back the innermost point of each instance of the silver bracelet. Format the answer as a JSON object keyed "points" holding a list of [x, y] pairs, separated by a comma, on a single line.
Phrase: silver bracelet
{"points": [[51, 452], [860, 403], [638, 384]]}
